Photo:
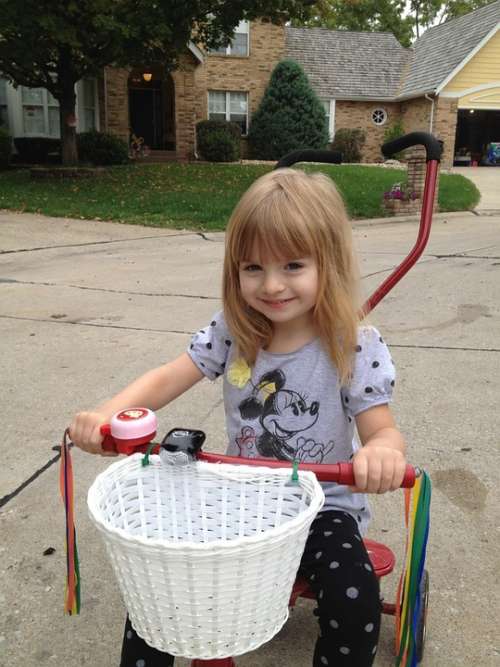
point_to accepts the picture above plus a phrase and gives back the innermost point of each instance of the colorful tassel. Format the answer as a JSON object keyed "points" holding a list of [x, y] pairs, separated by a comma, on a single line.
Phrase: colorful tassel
{"points": [[408, 602], [72, 596]]}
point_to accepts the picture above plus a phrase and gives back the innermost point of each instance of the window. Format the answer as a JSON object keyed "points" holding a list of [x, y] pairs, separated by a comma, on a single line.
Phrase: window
{"points": [[329, 106], [40, 112], [379, 116], [224, 105], [88, 105], [239, 44], [4, 117]]}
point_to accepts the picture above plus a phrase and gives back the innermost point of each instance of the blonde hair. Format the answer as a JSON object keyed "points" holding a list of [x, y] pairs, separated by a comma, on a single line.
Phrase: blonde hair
{"points": [[288, 213]]}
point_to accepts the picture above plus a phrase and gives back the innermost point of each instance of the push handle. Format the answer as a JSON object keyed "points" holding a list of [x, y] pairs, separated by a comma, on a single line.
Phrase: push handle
{"points": [[432, 146], [309, 155]]}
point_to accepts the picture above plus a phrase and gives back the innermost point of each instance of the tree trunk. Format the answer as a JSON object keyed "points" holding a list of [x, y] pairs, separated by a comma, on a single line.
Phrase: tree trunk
{"points": [[69, 150]]}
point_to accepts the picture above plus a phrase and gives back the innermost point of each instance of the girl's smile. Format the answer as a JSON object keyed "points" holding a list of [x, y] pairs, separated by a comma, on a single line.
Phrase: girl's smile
{"points": [[282, 289]]}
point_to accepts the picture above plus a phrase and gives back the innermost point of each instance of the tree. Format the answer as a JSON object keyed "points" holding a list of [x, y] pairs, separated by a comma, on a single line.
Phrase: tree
{"points": [[362, 15], [54, 43], [290, 115], [425, 13]]}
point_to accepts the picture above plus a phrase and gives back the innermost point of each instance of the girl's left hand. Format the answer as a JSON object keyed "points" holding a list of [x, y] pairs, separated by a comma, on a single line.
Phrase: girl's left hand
{"points": [[378, 467]]}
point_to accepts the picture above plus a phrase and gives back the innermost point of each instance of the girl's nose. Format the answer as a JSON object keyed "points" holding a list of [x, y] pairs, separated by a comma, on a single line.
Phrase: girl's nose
{"points": [[273, 283]]}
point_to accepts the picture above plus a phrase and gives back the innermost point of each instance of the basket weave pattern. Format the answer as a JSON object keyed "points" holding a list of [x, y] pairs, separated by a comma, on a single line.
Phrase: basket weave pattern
{"points": [[205, 555]]}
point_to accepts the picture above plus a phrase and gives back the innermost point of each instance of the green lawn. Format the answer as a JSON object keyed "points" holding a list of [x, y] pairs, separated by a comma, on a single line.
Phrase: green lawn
{"points": [[199, 196]]}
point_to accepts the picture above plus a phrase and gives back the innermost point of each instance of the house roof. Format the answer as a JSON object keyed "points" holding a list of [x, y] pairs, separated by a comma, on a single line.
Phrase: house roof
{"points": [[443, 48], [349, 65], [374, 65]]}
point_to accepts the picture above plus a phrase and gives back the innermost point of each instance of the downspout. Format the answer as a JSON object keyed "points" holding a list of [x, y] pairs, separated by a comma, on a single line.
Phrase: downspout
{"points": [[431, 100]]}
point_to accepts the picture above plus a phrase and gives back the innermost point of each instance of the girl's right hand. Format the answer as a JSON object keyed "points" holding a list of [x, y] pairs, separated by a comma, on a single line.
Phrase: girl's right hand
{"points": [[85, 432]]}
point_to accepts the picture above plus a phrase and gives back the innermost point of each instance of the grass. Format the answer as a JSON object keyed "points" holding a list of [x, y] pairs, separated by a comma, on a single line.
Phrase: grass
{"points": [[199, 196]]}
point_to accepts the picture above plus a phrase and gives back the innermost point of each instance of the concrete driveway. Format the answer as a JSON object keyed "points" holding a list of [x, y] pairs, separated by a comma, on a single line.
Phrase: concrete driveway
{"points": [[487, 181], [85, 307]]}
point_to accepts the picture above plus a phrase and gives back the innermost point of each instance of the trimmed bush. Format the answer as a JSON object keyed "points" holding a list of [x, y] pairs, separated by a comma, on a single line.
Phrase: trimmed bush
{"points": [[218, 140], [349, 142], [5, 148], [101, 149], [35, 150], [290, 115]]}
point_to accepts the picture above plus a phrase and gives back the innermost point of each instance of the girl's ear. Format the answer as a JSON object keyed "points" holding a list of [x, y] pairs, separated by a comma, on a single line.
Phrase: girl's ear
{"points": [[250, 408]]}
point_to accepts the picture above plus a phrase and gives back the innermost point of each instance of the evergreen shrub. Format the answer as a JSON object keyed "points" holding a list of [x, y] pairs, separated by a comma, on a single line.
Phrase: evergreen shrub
{"points": [[5, 148], [218, 140], [101, 149], [35, 150], [290, 115]]}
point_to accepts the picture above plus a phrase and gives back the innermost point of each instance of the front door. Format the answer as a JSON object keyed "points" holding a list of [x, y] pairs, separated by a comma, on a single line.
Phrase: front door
{"points": [[146, 115]]}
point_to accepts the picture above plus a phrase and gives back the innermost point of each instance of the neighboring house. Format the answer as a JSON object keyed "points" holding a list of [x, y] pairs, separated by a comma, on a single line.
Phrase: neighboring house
{"points": [[447, 83]]}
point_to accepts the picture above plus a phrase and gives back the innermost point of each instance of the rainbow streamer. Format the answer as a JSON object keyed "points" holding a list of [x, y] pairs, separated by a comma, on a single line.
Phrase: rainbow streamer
{"points": [[408, 603], [72, 596]]}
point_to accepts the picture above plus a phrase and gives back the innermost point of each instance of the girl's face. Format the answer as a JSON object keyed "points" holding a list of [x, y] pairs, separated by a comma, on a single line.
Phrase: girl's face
{"points": [[284, 289]]}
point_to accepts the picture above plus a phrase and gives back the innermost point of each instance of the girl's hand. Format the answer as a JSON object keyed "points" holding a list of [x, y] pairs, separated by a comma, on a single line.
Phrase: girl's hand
{"points": [[85, 432], [378, 467]]}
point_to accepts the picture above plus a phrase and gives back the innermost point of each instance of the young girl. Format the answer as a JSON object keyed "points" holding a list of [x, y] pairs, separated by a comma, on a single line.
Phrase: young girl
{"points": [[300, 375]]}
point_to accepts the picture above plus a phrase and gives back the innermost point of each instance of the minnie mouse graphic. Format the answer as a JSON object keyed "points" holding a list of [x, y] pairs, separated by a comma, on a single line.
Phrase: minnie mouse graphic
{"points": [[282, 414]]}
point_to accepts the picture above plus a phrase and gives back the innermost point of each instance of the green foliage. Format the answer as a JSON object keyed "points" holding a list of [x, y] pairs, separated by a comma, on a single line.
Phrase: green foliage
{"points": [[290, 115], [198, 196], [349, 142], [362, 15], [35, 150], [392, 132], [53, 44], [218, 140], [102, 149], [5, 148]]}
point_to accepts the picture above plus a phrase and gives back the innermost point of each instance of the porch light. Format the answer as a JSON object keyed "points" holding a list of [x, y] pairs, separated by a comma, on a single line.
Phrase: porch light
{"points": [[471, 110], [147, 76]]}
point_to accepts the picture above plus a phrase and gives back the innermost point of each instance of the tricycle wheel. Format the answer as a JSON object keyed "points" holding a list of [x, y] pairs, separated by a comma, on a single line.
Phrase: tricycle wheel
{"points": [[422, 616]]}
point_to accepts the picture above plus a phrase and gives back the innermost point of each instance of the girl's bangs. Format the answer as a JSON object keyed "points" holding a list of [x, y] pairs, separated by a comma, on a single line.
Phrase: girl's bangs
{"points": [[274, 229]]}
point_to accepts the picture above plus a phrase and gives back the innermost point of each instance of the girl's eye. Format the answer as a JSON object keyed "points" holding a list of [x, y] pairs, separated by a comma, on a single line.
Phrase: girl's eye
{"points": [[294, 266], [251, 267]]}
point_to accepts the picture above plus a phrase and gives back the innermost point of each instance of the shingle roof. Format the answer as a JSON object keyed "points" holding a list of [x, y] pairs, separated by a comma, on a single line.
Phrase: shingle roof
{"points": [[349, 65], [374, 65], [442, 48]]}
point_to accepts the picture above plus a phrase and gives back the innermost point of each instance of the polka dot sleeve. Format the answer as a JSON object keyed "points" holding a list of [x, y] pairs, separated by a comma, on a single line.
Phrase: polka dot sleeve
{"points": [[373, 375], [209, 347]]}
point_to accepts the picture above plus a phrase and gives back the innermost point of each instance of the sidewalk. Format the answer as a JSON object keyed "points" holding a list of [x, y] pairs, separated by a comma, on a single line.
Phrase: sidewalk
{"points": [[87, 306]]}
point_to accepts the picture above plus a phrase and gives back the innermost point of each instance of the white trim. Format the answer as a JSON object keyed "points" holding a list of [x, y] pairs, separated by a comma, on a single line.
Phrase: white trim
{"points": [[475, 89], [197, 53], [331, 124], [467, 59], [386, 116]]}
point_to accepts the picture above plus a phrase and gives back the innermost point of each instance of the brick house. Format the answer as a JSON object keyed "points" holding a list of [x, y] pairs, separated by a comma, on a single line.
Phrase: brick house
{"points": [[447, 83]]}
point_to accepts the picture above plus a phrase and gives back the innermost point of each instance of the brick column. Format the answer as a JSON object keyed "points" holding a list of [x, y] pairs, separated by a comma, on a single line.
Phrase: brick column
{"points": [[186, 102], [117, 102], [417, 167]]}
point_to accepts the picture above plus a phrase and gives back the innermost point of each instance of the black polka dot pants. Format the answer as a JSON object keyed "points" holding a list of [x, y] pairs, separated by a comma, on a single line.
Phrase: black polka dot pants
{"points": [[339, 572]]}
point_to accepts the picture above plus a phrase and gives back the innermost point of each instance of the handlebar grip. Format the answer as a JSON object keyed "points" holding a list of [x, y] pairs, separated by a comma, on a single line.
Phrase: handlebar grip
{"points": [[309, 155], [109, 443], [346, 476], [432, 146]]}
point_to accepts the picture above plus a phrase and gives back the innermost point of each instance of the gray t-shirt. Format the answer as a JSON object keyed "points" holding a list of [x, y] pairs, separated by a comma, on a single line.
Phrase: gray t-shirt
{"points": [[290, 406]]}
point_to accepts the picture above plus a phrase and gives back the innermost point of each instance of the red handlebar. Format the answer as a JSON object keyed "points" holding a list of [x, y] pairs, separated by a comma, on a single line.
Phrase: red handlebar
{"points": [[342, 473]]}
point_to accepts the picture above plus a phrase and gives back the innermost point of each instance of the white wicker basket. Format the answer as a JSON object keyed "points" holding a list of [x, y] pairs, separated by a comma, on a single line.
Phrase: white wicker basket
{"points": [[205, 555]]}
